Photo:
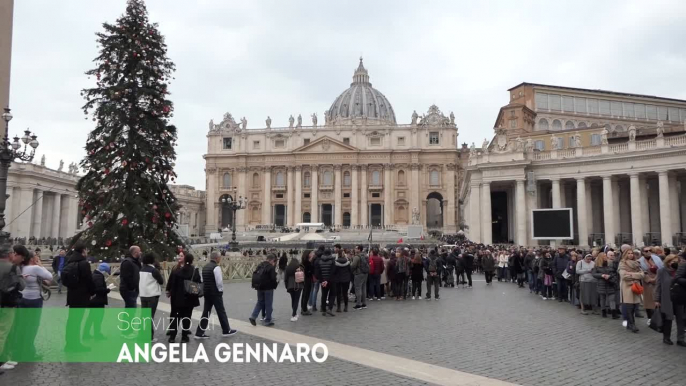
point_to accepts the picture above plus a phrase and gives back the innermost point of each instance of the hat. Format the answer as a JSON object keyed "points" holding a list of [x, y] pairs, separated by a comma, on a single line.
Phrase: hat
{"points": [[104, 267], [624, 247]]}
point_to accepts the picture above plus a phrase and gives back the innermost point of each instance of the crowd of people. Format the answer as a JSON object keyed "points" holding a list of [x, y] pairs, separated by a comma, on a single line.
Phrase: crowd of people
{"points": [[602, 281]]}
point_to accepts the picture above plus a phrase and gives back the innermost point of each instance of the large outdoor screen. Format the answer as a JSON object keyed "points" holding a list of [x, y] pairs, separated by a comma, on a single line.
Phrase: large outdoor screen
{"points": [[552, 224]]}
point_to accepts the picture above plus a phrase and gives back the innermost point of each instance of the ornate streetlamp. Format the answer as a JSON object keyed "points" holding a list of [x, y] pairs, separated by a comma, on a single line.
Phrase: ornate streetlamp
{"points": [[10, 151], [234, 205]]}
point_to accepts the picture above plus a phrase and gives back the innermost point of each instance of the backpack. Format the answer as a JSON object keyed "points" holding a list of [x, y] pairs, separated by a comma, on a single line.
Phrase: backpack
{"points": [[70, 274], [432, 265], [364, 264], [260, 277], [299, 276]]}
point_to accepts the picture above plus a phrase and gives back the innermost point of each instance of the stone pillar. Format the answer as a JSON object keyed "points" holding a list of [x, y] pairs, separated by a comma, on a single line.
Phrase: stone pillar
{"points": [[56, 214], [581, 211], [211, 200], [364, 193], [24, 221], [388, 195], [354, 197], [267, 197], [416, 184], [297, 213], [37, 214], [665, 208], [486, 218], [636, 221], [289, 197], [241, 215], [674, 200], [450, 188], [475, 212], [9, 212], [531, 204], [6, 16], [314, 181], [337, 196], [520, 206], [557, 199], [70, 210], [617, 206], [608, 210]]}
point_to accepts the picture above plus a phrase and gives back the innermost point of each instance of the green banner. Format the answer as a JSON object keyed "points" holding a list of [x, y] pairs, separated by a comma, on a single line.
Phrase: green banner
{"points": [[74, 334]]}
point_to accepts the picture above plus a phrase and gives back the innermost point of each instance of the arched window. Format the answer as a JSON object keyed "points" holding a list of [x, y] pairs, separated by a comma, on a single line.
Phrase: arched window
{"points": [[401, 177], [226, 180], [582, 124], [279, 179], [256, 180], [543, 124], [557, 125], [569, 125], [328, 178], [346, 179], [376, 178], [306, 180], [306, 217], [434, 178]]}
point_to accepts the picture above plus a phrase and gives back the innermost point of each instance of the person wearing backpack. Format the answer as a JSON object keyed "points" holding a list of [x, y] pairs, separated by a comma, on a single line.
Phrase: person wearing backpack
{"points": [[360, 267], [264, 281], [78, 278], [294, 278], [129, 277], [433, 277]]}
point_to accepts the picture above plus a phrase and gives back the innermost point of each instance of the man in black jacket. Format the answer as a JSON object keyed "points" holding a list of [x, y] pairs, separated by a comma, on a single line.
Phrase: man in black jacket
{"points": [[78, 299], [213, 291], [129, 276], [325, 270], [468, 259], [265, 286], [99, 300]]}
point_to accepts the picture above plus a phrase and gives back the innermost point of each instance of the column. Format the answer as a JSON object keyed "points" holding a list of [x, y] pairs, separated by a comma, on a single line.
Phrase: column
{"points": [[531, 203], [337, 196], [674, 200], [9, 212], [354, 197], [267, 197], [616, 206], [37, 214], [636, 223], [581, 211], [520, 216], [557, 199], [241, 215], [450, 188], [665, 208], [414, 194], [297, 213], [475, 212], [364, 193], [388, 197], [608, 212], [56, 213], [314, 180], [71, 213], [289, 197], [211, 200], [486, 219]]}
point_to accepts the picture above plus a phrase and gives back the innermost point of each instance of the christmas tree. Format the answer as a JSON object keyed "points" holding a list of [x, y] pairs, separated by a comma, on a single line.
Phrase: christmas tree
{"points": [[123, 197]]}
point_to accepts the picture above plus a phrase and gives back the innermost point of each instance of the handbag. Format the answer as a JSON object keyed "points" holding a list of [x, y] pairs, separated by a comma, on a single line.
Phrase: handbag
{"points": [[299, 276], [656, 320], [637, 288], [566, 275], [193, 288]]}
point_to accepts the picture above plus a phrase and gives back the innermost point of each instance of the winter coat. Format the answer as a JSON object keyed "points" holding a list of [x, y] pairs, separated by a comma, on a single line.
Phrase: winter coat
{"points": [[378, 264], [502, 261], [451, 260], [101, 290], [528, 259], [384, 273], [308, 267], [608, 286], [390, 271], [519, 264], [289, 276], [324, 268], [417, 271], [129, 274], [80, 296], [680, 279], [342, 272], [544, 267], [662, 294], [630, 272], [151, 281], [560, 264], [488, 263], [468, 260], [177, 289]]}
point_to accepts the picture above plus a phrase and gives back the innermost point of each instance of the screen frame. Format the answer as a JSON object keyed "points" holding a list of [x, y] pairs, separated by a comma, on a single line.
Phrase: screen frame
{"points": [[571, 223]]}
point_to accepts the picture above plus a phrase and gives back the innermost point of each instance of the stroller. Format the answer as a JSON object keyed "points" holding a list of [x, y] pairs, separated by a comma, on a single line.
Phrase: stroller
{"points": [[448, 279]]}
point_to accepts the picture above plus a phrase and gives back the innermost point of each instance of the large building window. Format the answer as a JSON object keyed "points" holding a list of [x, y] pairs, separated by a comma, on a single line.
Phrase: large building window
{"points": [[306, 180], [629, 110], [568, 103], [673, 114], [255, 180], [539, 145], [557, 125], [434, 178], [580, 105], [651, 112], [595, 139], [582, 124], [593, 107], [401, 177], [306, 141], [543, 124], [683, 114], [604, 107], [375, 141], [328, 178], [640, 110], [555, 102], [433, 138], [616, 108], [572, 142], [228, 143], [279, 179], [346, 141], [513, 123], [255, 145], [560, 143], [226, 181], [279, 143], [347, 180], [541, 101], [661, 113], [569, 125], [376, 178]]}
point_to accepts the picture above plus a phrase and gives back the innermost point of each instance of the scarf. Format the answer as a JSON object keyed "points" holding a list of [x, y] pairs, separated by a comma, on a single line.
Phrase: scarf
{"points": [[630, 265]]}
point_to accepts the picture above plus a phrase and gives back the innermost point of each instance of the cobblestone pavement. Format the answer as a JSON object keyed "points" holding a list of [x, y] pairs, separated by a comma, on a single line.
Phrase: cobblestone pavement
{"points": [[499, 331]]}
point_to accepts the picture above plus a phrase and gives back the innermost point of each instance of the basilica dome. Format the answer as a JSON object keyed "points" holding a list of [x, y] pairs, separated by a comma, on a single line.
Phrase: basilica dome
{"points": [[361, 101]]}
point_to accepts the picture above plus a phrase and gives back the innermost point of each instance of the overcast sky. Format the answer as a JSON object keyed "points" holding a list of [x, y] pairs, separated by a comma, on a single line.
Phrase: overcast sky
{"points": [[259, 58]]}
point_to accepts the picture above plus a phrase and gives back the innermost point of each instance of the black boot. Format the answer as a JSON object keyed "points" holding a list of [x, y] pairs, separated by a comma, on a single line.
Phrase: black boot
{"points": [[615, 314], [667, 332], [604, 313]]}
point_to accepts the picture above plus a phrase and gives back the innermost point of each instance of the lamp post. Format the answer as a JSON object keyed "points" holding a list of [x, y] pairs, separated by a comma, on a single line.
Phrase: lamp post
{"points": [[234, 205], [9, 151]]}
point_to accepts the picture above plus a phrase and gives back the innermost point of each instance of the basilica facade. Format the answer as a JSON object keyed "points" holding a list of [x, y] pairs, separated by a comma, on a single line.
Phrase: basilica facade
{"points": [[358, 169]]}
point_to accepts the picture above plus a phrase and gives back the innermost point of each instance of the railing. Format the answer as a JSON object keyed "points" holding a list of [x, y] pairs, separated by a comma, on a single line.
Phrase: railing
{"points": [[593, 150], [677, 140], [566, 153], [541, 156], [646, 145], [619, 148]]}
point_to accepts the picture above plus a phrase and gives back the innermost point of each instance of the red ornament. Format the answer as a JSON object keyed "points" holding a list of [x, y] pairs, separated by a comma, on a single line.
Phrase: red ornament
{"points": [[108, 243], [107, 171], [154, 207], [167, 215], [154, 219], [90, 224], [166, 109], [124, 221]]}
